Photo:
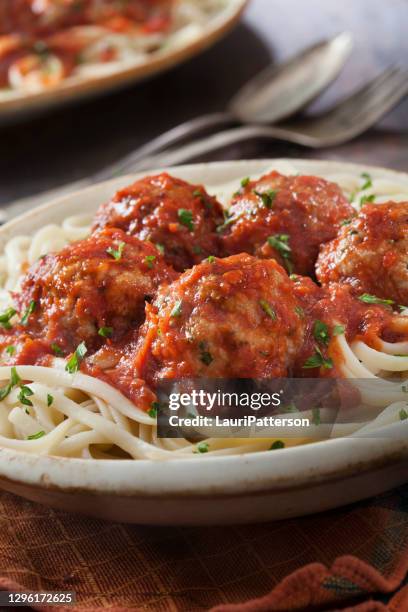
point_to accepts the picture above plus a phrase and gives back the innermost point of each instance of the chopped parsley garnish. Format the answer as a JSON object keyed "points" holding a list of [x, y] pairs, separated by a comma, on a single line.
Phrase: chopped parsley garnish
{"points": [[36, 436], [116, 253], [316, 420], [280, 243], [372, 299], [299, 311], [75, 361], [160, 248], [197, 250], [40, 47], [14, 381], [368, 181], [228, 219], [31, 307], [345, 222], [56, 349], [338, 330], [245, 182], [291, 407], [226, 223], [211, 259], [153, 410], [199, 194], [321, 332], [105, 332], [186, 218], [277, 445], [11, 350], [202, 448], [403, 415], [50, 399], [25, 392], [205, 355], [365, 199], [206, 358], [176, 312], [318, 361], [149, 260], [267, 308], [267, 197], [6, 316]]}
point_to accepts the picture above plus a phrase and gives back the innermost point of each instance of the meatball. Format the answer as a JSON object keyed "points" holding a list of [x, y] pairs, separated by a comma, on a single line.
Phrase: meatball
{"points": [[92, 289], [180, 218], [226, 318], [286, 218], [371, 253]]}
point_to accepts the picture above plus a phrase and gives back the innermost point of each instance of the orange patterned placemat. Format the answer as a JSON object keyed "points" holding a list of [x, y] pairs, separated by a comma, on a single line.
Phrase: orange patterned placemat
{"points": [[355, 558]]}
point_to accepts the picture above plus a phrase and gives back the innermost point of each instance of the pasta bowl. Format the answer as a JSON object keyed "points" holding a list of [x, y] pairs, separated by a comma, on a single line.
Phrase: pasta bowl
{"points": [[201, 490]]}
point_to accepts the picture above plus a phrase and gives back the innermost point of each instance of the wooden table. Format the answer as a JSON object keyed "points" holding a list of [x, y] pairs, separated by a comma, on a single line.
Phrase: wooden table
{"points": [[72, 142]]}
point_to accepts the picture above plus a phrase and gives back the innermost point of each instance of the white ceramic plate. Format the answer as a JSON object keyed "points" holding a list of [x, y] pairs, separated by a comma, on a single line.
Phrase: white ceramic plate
{"points": [[13, 102], [258, 487]]}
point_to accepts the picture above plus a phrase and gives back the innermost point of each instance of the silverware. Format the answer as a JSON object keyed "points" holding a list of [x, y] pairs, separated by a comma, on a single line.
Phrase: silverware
{"points": [[345, 121], [272, 95]]}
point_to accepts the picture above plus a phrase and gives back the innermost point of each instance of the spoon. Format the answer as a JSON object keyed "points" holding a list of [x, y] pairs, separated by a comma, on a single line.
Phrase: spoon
{"points": [[274, 94], [279, 92]]}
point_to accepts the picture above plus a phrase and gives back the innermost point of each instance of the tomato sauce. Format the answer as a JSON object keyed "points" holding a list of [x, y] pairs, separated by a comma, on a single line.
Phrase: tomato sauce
{"points": [[114, 363], [140, 321], [341, 311]]}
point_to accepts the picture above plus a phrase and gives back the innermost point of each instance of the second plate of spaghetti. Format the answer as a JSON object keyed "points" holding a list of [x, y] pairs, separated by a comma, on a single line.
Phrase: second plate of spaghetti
{"points": [[53, 52]]}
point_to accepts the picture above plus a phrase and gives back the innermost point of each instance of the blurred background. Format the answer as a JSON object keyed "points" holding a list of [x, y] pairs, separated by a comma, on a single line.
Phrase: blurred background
{"points": [[69, 143]]}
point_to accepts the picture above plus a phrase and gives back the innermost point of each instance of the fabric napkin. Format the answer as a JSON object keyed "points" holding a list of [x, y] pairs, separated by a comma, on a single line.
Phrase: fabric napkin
{"points": [[355, 558]]}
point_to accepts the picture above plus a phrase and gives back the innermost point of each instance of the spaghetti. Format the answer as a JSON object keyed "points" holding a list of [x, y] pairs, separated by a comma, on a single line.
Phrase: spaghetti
{"points": [[77, 415]]}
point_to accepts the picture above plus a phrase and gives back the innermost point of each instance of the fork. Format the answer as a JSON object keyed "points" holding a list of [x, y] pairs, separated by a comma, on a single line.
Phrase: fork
{"points": [[276, 93], [348, 119]]}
